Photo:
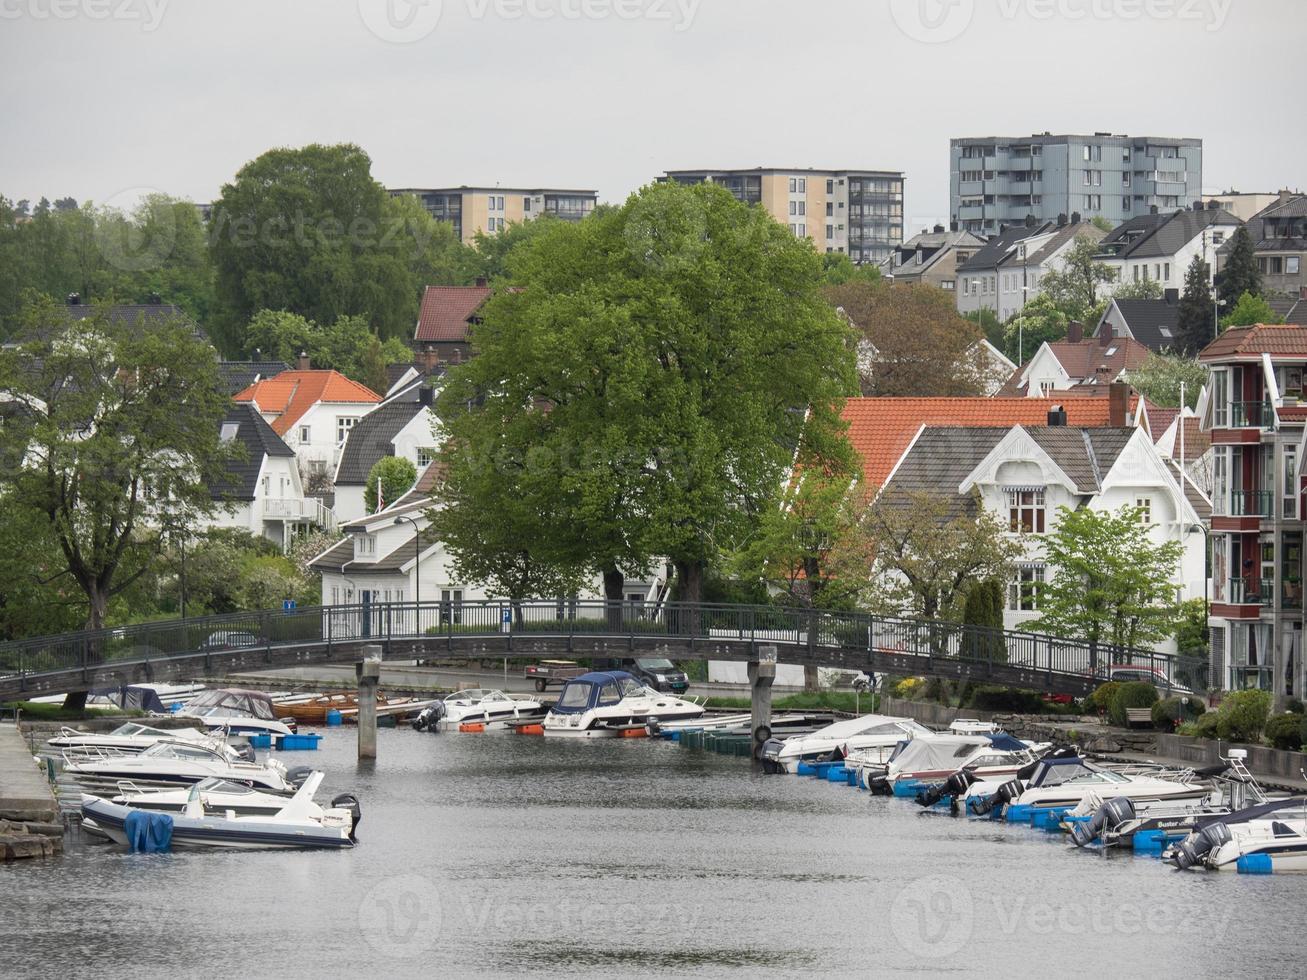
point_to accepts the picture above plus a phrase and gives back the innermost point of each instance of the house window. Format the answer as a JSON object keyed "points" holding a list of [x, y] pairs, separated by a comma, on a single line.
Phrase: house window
{"points": [[1025, 588], [1290, 503], [830, 210], [451, 606], [1026, 509], [803, 207], [803, 231], [305, 432], [365, 544], [1145, 507], [425, 455], [830, 188], [803, 185], [794, 185], [526, 204], [1291, 264], [794, 207], [1046, 388], [830, 231], [343, 424]]}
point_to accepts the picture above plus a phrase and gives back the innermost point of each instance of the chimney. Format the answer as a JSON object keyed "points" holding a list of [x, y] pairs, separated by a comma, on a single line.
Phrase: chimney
{"points": [[1198, 205], [1106, 334], [952, 226], [1075, 217], [481, 281], [1030, 221], [425, 394], [939, 229], [1172, 296], [74, 299], [428, 358], [1057, 416], [1118, 404], [1061, 220], [303, 363], [1152, 209], [1075, 331]]}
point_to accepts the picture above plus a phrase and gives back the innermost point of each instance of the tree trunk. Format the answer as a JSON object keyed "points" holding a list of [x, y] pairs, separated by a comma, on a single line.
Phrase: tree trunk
{"points": [[811, 681], [614, 583], [99, 612], [689, 579]]}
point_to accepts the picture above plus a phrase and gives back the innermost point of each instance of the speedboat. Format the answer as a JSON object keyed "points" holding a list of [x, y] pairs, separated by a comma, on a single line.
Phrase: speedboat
{"points": [[299, 824], [477, 706], [216, 796], [972, 726], [929, 760], [604, 704], [172, 763], [1270, 838], [128, 738], [240, 712], [871, 739]]}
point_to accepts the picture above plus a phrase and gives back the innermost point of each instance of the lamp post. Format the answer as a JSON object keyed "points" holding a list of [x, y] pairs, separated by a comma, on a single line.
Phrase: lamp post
{"points": [[1216, 315], [417, 572]]}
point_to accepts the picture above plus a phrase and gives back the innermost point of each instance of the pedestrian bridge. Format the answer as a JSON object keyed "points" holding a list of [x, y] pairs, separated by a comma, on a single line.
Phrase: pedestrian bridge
{"points": [[185, 649]]}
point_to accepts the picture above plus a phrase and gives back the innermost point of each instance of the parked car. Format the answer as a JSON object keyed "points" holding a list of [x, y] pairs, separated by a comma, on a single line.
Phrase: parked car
{"points": [[231, 640], [658, 673], [1125, 673]]}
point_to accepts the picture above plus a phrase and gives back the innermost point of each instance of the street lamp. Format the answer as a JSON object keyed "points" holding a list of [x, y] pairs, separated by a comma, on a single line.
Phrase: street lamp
{"points": [[417, 571], [1216, 316]]}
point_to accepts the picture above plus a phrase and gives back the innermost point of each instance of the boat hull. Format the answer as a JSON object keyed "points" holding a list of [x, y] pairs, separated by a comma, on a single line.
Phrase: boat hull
{"points": [[108, 819]]}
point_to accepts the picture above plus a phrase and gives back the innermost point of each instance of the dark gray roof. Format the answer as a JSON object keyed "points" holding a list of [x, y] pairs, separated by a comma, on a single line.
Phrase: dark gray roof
{"points": [[336, 556], [997, 248], [1290, 309], [341, 554], [239, 375], [1152, 322], [1061, 237], [1157, 235], [1083, 454], [373, 437], [258, 440]]}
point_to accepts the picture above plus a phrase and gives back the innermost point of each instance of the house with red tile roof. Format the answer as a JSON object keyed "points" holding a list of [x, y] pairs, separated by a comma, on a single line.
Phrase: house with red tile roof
{"points": [[313, 411], [1062, 364], [445, 321]]}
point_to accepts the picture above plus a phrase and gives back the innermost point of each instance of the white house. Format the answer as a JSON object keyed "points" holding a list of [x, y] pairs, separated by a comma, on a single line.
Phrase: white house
{"points": [[1160, 247], [1063, 364], [1009, 271], [313, 411]]}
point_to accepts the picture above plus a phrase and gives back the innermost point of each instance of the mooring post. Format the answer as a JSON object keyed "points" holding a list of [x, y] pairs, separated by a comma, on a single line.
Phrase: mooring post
{"points": [[369, 677], [762, 674]]}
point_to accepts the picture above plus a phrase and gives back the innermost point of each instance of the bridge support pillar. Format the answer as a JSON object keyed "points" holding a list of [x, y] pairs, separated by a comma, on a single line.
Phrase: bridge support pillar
{"points": [[369, 678], [762, 674]]}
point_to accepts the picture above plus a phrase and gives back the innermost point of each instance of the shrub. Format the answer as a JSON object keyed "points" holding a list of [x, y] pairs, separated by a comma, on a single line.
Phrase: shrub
{"points": [[1295, 707], [1285, 731], [909, 688], [1008, 699], [1101, 699], [1133, 694], [1206, 726], [1243, 715], [1168, 712]]}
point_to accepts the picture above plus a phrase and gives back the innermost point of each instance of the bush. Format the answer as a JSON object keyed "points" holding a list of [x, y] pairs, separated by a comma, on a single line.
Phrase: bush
{"points": [[1207, 725], [1172, 710], [1295, 707], [909, 688], [1133, 694], [1101, 699], [1243, 715], [1008, 699], [1286, 731]]}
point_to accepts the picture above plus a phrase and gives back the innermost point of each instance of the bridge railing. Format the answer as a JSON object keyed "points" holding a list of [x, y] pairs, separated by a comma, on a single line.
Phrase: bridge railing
{"points": [[757, 625]]}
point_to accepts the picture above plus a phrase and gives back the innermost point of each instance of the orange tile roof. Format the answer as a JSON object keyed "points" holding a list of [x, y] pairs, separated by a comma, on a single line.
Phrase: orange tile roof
{"points": [[880, 429], [447, 310], [1159, 420], [1286, 339], [1083, 359], [292, 393]]}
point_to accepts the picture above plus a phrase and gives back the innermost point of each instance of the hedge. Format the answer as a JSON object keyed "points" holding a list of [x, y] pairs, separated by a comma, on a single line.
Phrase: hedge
{"points": [[1172, 711], [1286, 731], [1101, 699], [988, 698], [1242, 715]]}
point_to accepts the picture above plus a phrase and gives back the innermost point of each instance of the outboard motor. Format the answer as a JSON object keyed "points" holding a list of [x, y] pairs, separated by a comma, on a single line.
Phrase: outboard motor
{"points": [[1109, 816], [297, 775], [428, 719], [955, 786], [879, 785], [1199, 844], [769, 753], [350, 802], [1008, 792]]}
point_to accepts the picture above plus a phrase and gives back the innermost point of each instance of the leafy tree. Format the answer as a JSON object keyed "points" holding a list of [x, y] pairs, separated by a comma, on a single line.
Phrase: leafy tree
{"points": [[488, 256], [1138, 289], [1191, 634], [922, 345], [1240, 274], [1073, 288], [1040, 321], [1249, 310], [37, 595], [1160, 376], [348, 345], [395, 475], [119, 426], [1101, 223], [988, 321], [1194, 325], [1111, 583], [838, 269], [984, 609]]}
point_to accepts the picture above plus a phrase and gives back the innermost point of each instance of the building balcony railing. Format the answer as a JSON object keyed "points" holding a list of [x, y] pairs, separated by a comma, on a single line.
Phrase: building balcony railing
{"points": [[1249, 591], [308, 509], [1251, 503], [1245, 415]]}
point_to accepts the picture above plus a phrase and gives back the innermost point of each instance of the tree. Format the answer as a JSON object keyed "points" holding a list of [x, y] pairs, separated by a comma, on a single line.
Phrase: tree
{"points": [[1250, 309], [926, 552], [1101, 223], [1073, 288], [1111, 583], [1139, 289], [119, 430], [1040, 321], [348, 345], [984, 610], [488, 256], [1194, 326], [988, 321], [1240, 274], [664, 366], [394, 475], [838, 269], [922, 346], [1160, 376], [1191, 633]]}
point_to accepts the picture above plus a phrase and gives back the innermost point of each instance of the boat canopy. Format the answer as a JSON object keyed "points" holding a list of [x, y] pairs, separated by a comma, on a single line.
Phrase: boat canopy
{"points": [[233, 702], [596, 689], [132, 696]]}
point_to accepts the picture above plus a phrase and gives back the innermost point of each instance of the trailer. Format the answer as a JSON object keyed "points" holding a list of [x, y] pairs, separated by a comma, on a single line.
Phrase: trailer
{"points": [[548, 672]]}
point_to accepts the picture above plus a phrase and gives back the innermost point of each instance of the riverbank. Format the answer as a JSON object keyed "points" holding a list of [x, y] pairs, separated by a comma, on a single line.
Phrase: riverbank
{"points": [[29, 816]]}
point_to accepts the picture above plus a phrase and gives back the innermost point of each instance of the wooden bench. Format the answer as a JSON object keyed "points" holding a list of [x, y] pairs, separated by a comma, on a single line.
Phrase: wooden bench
{"points": [[1138, 716]]}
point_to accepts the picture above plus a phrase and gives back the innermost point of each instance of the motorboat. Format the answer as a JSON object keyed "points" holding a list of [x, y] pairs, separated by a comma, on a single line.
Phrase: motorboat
{"points": [[239, 712], [128, 738], [870, 738], [299, 824], [478, 706], [1270, 838], [216, 795], [929, 760], [972, 726], [173, 763], [159, 699], [605, 704]]}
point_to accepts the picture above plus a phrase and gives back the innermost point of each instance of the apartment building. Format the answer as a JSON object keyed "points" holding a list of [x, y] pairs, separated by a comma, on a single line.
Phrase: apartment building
{"points": [[999, 180], [490, 209], [1255, 415], [1279, 234], [855, 212]]}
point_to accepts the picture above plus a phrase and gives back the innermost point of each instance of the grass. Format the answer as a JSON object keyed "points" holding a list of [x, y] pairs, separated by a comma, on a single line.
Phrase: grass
{"points": [[44, 711]]}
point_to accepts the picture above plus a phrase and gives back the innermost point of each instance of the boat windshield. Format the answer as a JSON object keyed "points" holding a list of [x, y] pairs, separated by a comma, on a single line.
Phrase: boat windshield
{"points": [[631, 687], [215, 784], [1065, 772], [132, 728], [468, 694], [171, 750], [575, 695]]}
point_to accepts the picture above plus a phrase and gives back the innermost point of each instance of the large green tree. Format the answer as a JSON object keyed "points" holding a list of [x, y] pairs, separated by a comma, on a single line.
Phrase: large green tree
{"points": [[1240, 274], [1195, 325], [1040, 321], [1250, 309], [389, 479], [1073, 287], [348, 345], [1159, 379]]}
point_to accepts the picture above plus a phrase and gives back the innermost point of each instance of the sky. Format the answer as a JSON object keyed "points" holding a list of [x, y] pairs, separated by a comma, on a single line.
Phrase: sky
{"points": [[109, 99]]}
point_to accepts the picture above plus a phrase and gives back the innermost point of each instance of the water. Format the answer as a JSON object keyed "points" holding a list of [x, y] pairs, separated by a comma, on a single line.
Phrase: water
{"points": [[500, 854]]}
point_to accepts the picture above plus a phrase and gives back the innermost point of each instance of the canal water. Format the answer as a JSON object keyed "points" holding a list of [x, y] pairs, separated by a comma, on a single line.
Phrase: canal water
{"points": [[505, 855]]}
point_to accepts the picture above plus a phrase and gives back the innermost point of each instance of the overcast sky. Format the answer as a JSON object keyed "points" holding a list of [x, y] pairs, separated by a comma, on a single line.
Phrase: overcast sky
{"points": [[106, 97]]}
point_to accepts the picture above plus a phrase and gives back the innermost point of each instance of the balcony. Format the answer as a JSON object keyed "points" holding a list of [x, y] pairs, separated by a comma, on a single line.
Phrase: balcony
{"points": [[299, 509], [1249, 591], [1251, 503], [1245, 415]]}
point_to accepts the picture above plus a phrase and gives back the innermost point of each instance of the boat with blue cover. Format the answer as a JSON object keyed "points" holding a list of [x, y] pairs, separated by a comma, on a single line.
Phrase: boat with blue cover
{"points": [[605, 703]]}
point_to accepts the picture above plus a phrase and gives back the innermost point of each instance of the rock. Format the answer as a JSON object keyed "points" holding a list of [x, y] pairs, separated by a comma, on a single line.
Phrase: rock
{"points": [[45, 829], [16, 848]]}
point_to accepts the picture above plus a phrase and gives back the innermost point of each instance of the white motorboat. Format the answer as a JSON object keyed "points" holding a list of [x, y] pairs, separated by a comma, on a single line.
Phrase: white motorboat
{"points": [[604, 704], [299, 824], [128, 738], [930, 760], [216, 796], [972, 726], [240, 712], [491, 708], [172, 763], [1270, 838], [870, 738]]}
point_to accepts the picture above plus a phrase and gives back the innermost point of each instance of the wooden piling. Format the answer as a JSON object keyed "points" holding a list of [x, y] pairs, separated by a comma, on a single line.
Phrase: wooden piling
{"points": [[762, 674], [369, 678]]}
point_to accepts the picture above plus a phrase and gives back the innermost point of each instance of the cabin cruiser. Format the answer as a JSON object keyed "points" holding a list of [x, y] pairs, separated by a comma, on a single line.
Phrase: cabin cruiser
{"points": [[608, 702], [1062, 779], [299, 824], [478, 706], [1270, 838], [929, 760], [128, 738], [870, 739], [216, 795], [173, 763], [240, 712]]}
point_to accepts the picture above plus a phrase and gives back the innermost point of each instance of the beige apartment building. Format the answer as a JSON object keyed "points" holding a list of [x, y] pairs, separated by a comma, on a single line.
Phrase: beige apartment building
{"points": [[491, 209], [855, 212]]}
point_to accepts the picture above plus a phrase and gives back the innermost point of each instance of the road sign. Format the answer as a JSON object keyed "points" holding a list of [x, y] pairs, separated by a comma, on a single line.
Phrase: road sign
{"points": [[287, 605]]}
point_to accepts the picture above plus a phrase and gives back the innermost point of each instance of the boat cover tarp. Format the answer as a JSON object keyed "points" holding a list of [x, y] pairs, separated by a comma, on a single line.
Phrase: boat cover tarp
{"points": [[1004, 741], [130, 696], [148, 832], [942, 754]]}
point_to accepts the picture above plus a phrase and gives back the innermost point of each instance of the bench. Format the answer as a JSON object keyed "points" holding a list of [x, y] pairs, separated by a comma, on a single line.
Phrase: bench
{"points": [[1138, 716]]}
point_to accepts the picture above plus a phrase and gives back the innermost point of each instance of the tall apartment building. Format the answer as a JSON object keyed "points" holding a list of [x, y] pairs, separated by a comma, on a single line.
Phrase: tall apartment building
{"points": [[491, 209], [999, 180], [855, 212]]}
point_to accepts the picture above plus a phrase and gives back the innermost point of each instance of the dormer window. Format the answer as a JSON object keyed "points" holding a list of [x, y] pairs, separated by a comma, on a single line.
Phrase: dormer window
{"points": [[1025, 509], [365, 545]]}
